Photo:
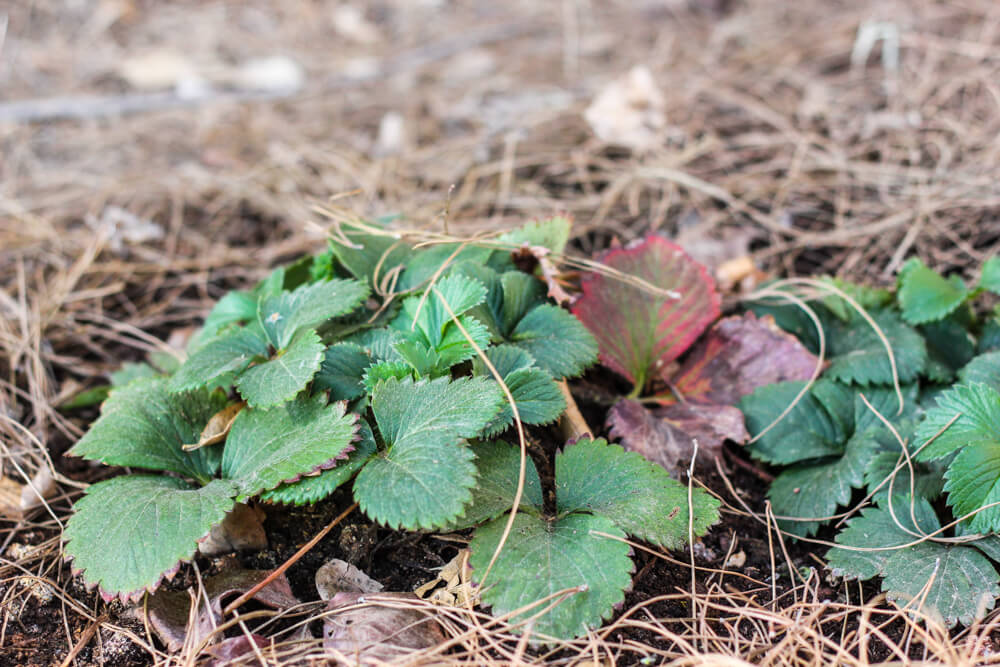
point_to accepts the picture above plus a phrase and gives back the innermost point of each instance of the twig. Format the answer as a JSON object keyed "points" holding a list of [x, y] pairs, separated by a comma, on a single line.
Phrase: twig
{"points": [[85, 638], [291, 561]]}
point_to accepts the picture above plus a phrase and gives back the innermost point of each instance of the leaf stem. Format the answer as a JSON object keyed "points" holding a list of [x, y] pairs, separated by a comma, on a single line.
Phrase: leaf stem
{"points": [[291, 561]]}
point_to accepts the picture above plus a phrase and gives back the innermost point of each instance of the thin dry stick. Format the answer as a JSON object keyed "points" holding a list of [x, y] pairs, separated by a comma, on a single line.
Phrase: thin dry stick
{"points": [[291, 561], [85, 638]]}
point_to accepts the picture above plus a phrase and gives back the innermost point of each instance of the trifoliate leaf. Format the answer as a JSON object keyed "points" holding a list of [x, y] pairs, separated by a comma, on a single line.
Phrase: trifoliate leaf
{"points": [[458, 291], [552, 233], [499, 466], [949, 348], [859, 356], [288, 313], [984, 368], [956, 584], [278, 380], [989, 279], [977, 408], [129, 532], [556, 340], [143, 425], [541, 558], [223, 357], [342, 371], [867, 538], [536, 394], [266, 448], [807, 494], [640, 331], [314, 488], [638, 496], [925, 295], [813, 428], [423, 480]]}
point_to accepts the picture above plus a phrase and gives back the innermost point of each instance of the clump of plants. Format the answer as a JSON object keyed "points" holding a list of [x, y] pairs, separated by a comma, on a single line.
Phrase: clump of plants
{"points": [[397, 370], [906, 416]]}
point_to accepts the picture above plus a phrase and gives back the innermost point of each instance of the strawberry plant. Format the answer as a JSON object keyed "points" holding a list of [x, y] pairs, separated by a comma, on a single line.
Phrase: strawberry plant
{"points": [[377, 364], [907, 414]]}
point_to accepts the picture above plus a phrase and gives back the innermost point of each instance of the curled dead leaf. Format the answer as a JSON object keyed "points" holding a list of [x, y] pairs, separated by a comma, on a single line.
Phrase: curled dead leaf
{"points": [[339, 576], [218, 426]]}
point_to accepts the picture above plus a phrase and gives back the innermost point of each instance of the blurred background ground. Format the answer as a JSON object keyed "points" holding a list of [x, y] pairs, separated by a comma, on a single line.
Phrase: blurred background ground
{"points": [[155, 154]]}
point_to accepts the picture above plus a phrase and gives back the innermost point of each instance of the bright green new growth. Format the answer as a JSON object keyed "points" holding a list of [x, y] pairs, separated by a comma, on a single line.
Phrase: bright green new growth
{"points": [[602, 494], [951, 434]]}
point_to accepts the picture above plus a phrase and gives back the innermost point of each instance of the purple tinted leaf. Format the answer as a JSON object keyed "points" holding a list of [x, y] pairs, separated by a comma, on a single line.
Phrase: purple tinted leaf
{"points": [[666, 435], [738, 355]]}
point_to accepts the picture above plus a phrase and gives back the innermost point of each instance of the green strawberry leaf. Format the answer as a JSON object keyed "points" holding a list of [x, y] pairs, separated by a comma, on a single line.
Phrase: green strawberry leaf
{"points": [[557, 341], [499, 464], [425, 476], [541, 558], [640, 331], [955, 584], [989, 279], [815, 427], [521, 294], [551, 233], [143, 425], [372, 258], [868, 537], [538, 398], [949, 348], [385, 370], [972, 482], [881, 477], [977, 408], [806, 494], [286, 314], [638, 496], [859, 356], [217, 361], [130, 532], [342, 371], [925, 296], [278, 380], [315, 488], [426, 262], [984, 368], [266, 448]]}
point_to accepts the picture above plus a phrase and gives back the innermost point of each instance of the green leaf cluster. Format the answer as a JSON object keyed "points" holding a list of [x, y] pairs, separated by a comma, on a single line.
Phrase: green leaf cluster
{"points": [[942, 441], [375, 363]]}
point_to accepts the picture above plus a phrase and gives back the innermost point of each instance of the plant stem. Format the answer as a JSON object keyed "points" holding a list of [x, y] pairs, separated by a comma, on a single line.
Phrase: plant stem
{"points": [[572, 424]]}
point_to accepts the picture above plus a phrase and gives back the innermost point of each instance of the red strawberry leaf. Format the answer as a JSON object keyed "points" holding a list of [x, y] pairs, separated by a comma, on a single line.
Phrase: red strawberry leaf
{"points": [[641, 330]]}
